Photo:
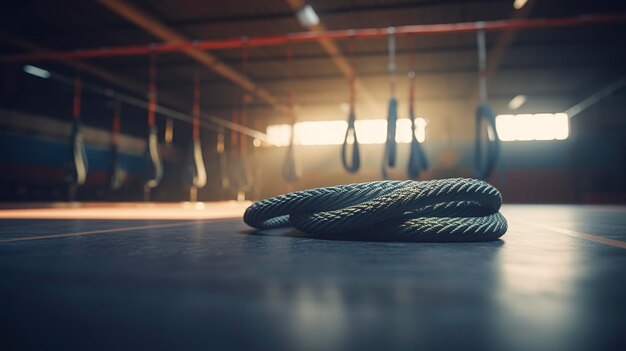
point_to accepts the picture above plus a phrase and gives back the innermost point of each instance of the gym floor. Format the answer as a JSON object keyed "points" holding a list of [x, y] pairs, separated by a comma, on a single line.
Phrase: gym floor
{"points": [[134, 134], [195, 276]]}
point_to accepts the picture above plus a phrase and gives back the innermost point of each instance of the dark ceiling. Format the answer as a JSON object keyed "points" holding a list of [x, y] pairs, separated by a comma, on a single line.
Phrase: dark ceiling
{"points": [[554, 67]]}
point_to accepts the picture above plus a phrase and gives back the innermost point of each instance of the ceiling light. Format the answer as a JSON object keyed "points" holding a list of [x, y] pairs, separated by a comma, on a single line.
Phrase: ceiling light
{"points": [[307, 16], [36, 71], [518, 4], [517, 102]]}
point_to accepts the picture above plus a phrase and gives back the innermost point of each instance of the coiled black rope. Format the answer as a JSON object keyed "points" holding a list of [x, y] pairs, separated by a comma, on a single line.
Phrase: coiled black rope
{"points": [[447, 210]]}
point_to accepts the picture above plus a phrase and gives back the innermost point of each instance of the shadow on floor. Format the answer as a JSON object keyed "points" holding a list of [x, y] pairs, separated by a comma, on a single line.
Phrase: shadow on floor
{"points": [[294, 233]]}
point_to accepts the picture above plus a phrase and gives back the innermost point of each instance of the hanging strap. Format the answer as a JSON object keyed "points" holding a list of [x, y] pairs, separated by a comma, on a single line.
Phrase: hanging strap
{"points": [[169, 130], [244, 174], [482, 170], [152, 92], [244, 169], [417, 158], [482, 62], [389, 156], [290, 168], [220, 147], [78, 86], [484, 113], [77, 166], [232, 152], [196, 161], [196, 109], [243, 120], [244, 100], [234, 135], [351, 137], [153, 164], [117, 123], [116, 174]]}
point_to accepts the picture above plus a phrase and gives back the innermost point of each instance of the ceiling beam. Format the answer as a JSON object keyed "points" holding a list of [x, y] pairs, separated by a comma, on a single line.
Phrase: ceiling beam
{"points": [[505, 39], [105, 75], [496, 55], [163, 32], [333, 50]]}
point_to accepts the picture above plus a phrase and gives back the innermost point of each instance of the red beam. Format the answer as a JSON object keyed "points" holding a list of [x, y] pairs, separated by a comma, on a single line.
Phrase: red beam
{"points": [[421, 29]]}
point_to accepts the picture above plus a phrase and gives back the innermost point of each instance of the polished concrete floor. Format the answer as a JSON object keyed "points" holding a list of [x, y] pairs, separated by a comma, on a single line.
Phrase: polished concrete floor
{"points": [[556, 281]]}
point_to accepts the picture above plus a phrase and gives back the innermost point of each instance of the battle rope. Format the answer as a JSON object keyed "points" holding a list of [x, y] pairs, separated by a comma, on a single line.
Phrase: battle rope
{"points": [[351, 137], [389, 156], [447, 210], [484, 113]]}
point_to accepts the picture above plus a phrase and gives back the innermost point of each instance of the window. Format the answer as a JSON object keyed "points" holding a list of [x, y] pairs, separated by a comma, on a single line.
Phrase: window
{"points": [[540, 126], [369, 131]]}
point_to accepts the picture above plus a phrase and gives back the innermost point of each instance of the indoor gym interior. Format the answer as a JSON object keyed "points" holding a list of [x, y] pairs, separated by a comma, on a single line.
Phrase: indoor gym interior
{"points": [[144, 144]]}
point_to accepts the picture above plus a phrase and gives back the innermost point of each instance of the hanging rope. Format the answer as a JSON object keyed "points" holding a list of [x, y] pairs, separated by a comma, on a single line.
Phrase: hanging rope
{"points": [[244, 174], [290, 169], [196, 109], [484, 114], [196, 168], [234, 136], [389, 156], [444, 210], [417, 158], [168, 137], [117, 124], [78, 87], [77, 166], [116, 173], [223, 159], [153, 165], [152, 92], [351, 137], [244, 102], [244, 171]]}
